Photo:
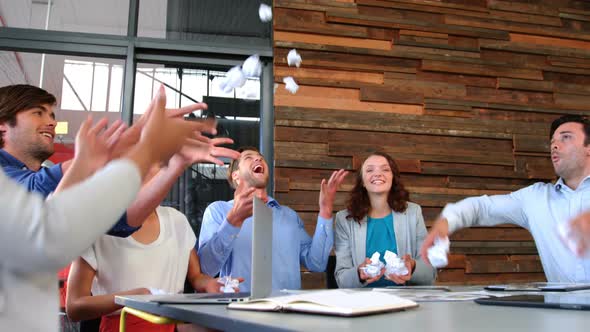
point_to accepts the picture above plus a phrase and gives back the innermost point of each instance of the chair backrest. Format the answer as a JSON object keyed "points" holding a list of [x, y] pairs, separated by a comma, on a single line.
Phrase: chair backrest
{"points": [[330, 269], [92, 325]]}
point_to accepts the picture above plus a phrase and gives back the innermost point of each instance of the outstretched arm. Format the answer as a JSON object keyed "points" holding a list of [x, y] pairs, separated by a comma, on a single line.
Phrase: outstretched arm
{"points": [[483, 211], [202, 149], [33, 230], [315, 251]]}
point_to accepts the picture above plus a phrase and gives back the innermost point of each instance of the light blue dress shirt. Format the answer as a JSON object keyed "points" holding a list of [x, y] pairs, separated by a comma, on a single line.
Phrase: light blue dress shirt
{"points": [[227, 250], [539, 208]]}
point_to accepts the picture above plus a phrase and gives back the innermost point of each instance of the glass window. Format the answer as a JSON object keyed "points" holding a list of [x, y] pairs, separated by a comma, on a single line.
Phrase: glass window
{"points": [[90, 84], [78, 84], [185, 86], [195, 19], [105, 16], [238, 117], [19, 68]]}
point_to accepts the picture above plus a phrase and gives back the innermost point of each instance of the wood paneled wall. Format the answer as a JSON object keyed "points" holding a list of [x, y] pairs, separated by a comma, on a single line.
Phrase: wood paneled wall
{"points": [[460, 92]]}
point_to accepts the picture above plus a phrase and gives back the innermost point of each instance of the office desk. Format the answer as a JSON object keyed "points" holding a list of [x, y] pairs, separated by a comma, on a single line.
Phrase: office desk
{"points": [[429, 316]]}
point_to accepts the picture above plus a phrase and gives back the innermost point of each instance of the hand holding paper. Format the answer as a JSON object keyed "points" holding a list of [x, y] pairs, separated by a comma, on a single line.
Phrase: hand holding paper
{"points": [[437, 254]]}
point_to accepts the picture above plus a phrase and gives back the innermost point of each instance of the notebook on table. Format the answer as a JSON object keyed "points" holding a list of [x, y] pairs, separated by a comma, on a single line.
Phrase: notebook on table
{"points": [[573, 301], [261, 275], [337, 302], [539, 287]]}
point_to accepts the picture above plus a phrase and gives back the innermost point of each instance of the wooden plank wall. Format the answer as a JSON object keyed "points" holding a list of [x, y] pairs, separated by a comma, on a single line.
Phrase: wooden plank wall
{"points": [[461, 92]]}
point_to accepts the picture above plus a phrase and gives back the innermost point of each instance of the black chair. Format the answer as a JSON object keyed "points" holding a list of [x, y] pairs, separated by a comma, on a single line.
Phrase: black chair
{"points": [[92, 325], [330, 269]]}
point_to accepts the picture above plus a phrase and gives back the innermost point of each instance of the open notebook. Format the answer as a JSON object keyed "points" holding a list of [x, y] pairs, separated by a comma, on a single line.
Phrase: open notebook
{"points": [[337, 302]]}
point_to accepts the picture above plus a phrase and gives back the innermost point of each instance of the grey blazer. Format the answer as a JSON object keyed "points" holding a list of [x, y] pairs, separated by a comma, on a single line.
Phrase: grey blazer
{"points": [[351, 238]]}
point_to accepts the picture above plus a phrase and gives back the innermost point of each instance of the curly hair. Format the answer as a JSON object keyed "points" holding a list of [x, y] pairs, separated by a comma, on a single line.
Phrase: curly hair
{"points": [[358, 203]]}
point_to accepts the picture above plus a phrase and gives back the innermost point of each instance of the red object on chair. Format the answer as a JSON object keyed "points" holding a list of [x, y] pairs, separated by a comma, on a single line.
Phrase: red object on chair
{"points": [[134, 324]]}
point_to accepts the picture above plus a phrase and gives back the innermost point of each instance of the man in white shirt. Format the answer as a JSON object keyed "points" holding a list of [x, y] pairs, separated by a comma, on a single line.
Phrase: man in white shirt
{"points": [[541, 208]]}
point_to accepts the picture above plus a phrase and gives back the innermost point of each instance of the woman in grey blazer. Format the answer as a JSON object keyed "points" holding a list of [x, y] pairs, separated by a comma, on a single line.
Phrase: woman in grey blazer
{"points": [[378, 210]]}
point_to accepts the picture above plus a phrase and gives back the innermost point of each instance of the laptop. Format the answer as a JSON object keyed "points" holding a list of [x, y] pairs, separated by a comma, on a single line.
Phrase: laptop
{"points": [[572, 301], [261, 275], [539, 287]]}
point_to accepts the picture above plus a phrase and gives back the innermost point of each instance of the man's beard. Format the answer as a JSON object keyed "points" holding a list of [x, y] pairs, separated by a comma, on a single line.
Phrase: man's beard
{"points": [[256, 183], [40, 153]]}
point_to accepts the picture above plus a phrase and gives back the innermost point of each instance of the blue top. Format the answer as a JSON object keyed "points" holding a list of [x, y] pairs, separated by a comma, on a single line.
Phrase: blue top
{"points": [[227, 250], [539, 208], [45, 181], [381, 237]]}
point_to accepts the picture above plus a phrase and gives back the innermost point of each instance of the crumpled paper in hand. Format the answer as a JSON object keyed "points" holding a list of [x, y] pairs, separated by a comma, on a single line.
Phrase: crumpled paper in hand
{"points": [[265, 12], [293, 58], [157, 291], [229, 284], [373, 269], [394, 264], [290, 84], [437, 254]]}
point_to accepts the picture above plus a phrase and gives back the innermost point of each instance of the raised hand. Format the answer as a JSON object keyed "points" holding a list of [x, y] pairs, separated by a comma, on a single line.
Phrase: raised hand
{"points": [[132, 135], [94, 147], [243, 205], [440, 229], [207, 150], [328, 192], [163, 136]]}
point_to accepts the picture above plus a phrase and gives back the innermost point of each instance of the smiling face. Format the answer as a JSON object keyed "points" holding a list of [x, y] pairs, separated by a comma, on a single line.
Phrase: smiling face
{"points": [[377, 175], [252, 168], [32, 135], [569, 155]]}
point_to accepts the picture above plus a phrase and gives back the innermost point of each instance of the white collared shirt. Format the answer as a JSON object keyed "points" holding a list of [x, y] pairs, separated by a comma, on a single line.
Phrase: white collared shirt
{"points": [[539, 208]]}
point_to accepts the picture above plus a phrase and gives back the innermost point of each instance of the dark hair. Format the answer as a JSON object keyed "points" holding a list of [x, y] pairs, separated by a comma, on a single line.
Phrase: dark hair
{"points": [[358, 202], [582, 119], [234, 164], [20, 97]]}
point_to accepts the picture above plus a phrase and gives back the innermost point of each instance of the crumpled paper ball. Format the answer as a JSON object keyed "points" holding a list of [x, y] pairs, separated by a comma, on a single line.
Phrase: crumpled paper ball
{"points": [[157, 291], [290, 84], [394, 264], [437, 254], [373, 269], [252, 67], [229, 284], [265, 12], [293, 58], [234, 78]]}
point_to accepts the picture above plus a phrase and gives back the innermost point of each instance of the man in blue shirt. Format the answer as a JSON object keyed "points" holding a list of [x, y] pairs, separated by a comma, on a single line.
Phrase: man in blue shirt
{"points": [[542, 208], [27, 130], [225, 241]]}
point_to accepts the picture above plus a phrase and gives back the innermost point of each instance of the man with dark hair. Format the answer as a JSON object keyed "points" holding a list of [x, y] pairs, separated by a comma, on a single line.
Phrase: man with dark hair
{"points": [[27, 130], [542, 208], [225, 241]]}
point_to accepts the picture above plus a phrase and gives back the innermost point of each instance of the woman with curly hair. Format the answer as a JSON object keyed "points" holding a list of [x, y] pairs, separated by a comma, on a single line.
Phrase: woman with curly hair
{"points": [[379, 217]]}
